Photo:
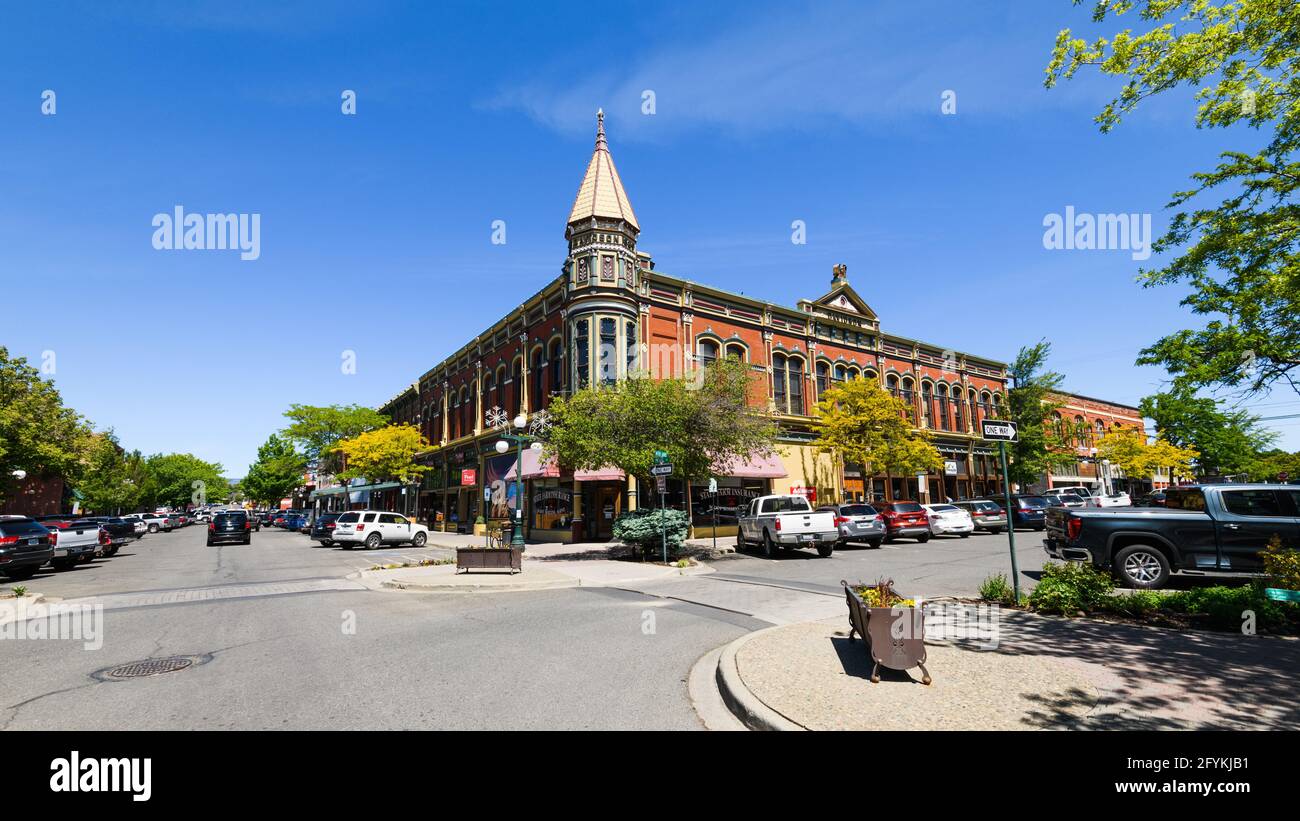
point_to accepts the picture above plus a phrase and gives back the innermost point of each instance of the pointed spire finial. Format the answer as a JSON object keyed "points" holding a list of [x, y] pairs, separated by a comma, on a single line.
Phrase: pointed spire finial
{"points": [[600, 128]]}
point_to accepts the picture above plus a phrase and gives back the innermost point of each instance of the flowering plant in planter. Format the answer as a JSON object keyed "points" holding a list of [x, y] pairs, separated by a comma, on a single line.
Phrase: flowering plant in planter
{"points": [[882, 594]]}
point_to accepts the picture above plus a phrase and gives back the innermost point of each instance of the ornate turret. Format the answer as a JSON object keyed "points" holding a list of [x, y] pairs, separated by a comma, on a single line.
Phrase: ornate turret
{"points": [[839, 276], [602, 220]]}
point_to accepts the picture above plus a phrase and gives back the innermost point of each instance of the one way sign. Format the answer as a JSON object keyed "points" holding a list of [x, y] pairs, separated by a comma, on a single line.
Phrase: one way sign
{"points": [[999, 429]]}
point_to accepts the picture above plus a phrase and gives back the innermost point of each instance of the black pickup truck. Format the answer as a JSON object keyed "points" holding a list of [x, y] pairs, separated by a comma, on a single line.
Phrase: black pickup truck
{"points": [[1201, 530]]}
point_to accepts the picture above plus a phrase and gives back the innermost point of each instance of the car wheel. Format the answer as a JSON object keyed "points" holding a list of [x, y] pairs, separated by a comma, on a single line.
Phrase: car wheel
{"points": [[248, 540], [964, 535], [1142, 567], [19, 574], [769, 547], [326, 542], [111, 552], [825, 549], [874, 542], [373, 541], [153, 528], [740, 541], [923, 538], [419, 540]]}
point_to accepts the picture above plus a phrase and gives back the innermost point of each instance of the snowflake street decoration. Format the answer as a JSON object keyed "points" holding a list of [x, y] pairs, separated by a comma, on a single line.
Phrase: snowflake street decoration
{"points": [[497, 418], [540, 425]]}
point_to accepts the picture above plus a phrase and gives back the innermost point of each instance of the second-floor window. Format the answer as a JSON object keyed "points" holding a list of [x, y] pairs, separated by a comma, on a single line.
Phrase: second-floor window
{"points": [[706, 352], [787, 384]]}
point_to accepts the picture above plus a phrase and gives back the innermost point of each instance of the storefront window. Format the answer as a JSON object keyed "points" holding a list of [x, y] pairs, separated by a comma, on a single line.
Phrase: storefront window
{"points": [[733, 498], [552, 508]]}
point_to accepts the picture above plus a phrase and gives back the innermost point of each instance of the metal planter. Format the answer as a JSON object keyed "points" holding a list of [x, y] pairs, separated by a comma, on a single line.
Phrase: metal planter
{"points": [[492, 558], [894, 636]]}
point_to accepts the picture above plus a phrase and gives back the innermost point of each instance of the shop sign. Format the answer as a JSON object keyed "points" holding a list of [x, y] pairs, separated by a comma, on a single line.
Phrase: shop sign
{"points": [[809, 493], [949, 467], [468, 477]]}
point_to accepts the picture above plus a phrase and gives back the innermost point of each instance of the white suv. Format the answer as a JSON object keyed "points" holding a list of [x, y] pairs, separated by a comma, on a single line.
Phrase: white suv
{"points": [[373, 528]]}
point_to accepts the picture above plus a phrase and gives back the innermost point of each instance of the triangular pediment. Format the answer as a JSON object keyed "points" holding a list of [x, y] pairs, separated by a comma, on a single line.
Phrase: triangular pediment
{"points": [[843, 299]]}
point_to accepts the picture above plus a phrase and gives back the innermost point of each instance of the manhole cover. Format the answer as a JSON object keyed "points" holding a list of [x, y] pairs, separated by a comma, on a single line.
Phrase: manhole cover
{"points": [[150, 667]]}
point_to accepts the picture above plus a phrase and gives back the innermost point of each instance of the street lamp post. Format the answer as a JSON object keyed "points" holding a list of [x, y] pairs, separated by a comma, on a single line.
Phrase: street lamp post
{"points": [[503, 446]]}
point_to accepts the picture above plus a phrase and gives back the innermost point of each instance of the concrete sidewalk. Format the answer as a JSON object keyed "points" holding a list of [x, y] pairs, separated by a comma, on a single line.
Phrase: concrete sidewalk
{"points": [[537, 574], [1045, 673], [579, 551]]}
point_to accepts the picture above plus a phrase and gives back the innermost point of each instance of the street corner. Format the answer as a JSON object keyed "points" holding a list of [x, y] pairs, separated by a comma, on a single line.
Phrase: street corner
{"points": [[812, 676], [447, 578]]}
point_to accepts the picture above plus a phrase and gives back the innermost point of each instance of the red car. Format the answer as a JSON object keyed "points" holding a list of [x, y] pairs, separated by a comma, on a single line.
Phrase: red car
{"points": [[907, 520]]}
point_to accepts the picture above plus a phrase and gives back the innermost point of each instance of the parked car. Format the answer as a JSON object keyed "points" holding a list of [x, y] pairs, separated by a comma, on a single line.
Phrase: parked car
{"points": [[295, 521], [24, 546], [985, 515], [1156, 499], [1120, 499], [322, 530], [373, 528], [857, 522], [786, 522], [1062, 498], [948, 520], [156, 522], [74, 541], [1029, 511], [1202, 529], [230, 526], [1082, 491], [906, 520], [138, 523], [119, 532]]}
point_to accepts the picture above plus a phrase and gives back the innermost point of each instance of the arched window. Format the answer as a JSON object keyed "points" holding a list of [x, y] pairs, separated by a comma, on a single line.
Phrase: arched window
{"points": [[941, 411], [779, 396], [796, 386], [499, 395], [1082, 433], [706, 352], [841, 373], [466, 411], [958, 412], [489, 392], [608, 363], [631, 347], [1100, 429], [737, 351], [927, 404], [823, 378]]}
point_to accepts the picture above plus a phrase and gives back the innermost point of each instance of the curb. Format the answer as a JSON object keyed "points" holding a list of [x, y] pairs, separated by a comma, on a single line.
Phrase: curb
{"points": [[743, 704], [397, 584]]}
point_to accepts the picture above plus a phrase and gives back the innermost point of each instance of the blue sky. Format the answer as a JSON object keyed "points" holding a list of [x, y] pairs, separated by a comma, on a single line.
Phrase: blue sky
{"points": [[376, 228]]}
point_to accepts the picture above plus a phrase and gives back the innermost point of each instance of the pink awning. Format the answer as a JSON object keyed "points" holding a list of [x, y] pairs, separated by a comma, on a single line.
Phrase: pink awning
{"points": [[756, 467], [605, 474], [535, 468]]}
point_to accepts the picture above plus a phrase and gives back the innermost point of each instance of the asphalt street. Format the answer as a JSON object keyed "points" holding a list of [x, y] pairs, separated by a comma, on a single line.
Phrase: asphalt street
{"points": [[280, 638]]}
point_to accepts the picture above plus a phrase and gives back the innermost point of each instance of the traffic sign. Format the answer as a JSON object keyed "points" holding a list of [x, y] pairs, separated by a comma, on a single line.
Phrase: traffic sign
{"points": [[999, 429], [661, 484], [661, 457], [713, 485], [661, 470]]}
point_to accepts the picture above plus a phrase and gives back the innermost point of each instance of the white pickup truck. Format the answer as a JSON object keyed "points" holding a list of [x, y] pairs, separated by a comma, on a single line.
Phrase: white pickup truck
{"points": [[784, 522]]}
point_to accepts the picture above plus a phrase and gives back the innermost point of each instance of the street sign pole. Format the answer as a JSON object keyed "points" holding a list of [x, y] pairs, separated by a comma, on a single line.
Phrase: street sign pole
{"points": [[1011, 522]]}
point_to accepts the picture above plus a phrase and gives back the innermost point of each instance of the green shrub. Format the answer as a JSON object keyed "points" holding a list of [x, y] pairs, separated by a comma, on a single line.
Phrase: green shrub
{"points": [[1224, 607], [644, 529], [1137, 603], [1070, 587], [997, 589], [1282, 565]]}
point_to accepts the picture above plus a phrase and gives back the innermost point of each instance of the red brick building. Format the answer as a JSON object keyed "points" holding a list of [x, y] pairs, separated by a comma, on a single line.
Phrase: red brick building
{"points": [[1083, 421], [610, 313]]}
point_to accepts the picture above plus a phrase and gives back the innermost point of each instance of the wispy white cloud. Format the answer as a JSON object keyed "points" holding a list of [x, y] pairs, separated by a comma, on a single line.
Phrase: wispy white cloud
{"points": [[861, 65]]}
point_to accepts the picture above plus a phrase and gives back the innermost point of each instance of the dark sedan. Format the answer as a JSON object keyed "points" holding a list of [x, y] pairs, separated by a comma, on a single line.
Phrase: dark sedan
{"points": [[323, 527], [230, 527], [1029, 511], [24, 547]]}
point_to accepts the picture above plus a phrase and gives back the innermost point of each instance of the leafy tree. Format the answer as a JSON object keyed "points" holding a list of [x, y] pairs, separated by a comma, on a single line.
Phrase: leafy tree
{"points": [[700, 422], [112, 480], [38, 434], [864, 424], [317, 429], [1270, 465], [180, 479], [1228, 441], [384, 454], [276, 473], [1129, 450], [1031, 403], [1238, 258]]}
